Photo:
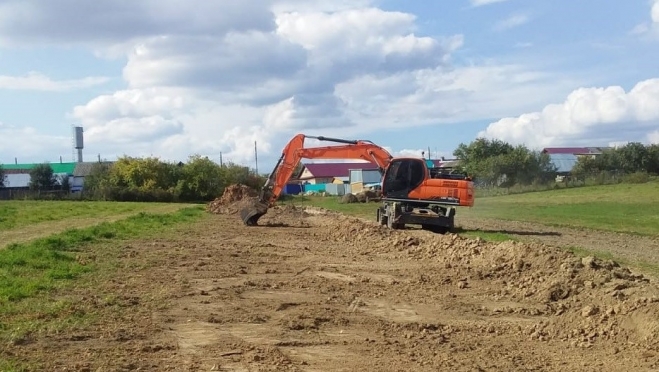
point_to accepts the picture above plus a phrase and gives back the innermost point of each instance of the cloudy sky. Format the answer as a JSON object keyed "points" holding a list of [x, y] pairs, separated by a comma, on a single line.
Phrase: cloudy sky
{"points": [[172, 78]]}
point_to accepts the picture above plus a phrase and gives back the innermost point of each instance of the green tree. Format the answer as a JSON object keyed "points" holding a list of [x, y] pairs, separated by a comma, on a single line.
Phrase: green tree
{"points": [[97, 183], [202, 179], [64, 183], [147, 174], [653, 159], [3, 177], [631, 158], [42, 177], [634, 157], [496, 162]]}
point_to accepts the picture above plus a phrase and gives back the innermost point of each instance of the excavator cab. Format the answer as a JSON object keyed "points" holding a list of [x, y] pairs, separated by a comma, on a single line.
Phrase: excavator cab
{"points": [[403, 176]]}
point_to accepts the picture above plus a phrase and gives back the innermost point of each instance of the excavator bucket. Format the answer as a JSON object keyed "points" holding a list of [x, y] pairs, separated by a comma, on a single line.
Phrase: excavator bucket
{"points": [[251, 214]]}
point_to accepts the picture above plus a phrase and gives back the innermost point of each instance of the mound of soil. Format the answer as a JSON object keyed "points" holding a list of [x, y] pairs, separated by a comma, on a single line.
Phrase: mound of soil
{"points": [[367, 196], [234, 198], [579, 299], [349, 198], [285, 215]]}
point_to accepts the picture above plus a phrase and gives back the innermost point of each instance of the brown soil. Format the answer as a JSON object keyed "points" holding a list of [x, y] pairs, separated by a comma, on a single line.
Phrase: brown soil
{"points": [[234, 198], [322, 292], [631, 248]]}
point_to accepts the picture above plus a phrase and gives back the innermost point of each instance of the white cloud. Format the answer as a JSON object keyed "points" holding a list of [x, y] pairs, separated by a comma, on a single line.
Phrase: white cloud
{"points": [[650, 29], [435, 96], [476, 3], [108, 22], [419, 153], [27, 144], [286, 80], [524, 45], [589, 116], [213, 77], [653, 137], [36, 81], [513, 21]]}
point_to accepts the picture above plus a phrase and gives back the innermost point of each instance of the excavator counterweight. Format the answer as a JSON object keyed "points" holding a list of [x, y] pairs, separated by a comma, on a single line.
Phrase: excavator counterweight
{"points": [[411, 193]]}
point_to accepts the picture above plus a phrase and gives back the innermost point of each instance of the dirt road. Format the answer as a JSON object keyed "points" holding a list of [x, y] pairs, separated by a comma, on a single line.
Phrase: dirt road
{"points": [[322, 292], [631, 248]]}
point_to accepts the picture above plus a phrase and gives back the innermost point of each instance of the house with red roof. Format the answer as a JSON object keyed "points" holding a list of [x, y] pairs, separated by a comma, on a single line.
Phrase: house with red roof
{"points": [[319, 173]]}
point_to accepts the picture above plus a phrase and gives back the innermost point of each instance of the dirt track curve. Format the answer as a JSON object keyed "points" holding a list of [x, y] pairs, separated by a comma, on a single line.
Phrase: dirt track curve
{"points": [[632, 248], [317, 291]]}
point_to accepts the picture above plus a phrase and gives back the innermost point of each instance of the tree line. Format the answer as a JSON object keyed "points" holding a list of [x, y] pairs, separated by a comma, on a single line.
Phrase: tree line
{"points": [[151, 179], [147, 179], [632, 158], [491, 163], [498, 163]]}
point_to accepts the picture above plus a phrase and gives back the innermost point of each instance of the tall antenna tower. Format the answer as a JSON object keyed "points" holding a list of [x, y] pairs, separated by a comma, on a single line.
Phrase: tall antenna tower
{"points": [[73, 142], [79, 145]]}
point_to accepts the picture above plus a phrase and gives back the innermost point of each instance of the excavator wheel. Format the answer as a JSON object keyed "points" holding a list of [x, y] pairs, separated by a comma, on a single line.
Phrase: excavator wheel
{"points": [[381, 217], [251, 214]]}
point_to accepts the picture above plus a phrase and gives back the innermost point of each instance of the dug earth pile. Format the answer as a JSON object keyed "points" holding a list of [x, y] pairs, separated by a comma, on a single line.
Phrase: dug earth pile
{"points": [[234, 198], [237, 197], [579, 300]]}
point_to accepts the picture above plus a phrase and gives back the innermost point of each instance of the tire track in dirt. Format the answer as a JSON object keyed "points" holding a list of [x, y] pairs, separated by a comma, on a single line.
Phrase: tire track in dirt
{"points": [[630, 248]]}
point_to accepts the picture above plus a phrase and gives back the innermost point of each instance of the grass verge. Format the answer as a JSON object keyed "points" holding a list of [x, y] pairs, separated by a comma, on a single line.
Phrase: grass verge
{"points": [[19, 213], [30, 271]]}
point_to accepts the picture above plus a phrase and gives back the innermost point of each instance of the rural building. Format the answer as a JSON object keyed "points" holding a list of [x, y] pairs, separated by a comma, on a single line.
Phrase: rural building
{"points": [[342, 178], [322, 173], [18, 175], [565, 158], [361, 179]]}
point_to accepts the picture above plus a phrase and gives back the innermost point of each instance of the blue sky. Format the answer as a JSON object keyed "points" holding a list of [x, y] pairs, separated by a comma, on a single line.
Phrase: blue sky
{"points": [[171, 78]]}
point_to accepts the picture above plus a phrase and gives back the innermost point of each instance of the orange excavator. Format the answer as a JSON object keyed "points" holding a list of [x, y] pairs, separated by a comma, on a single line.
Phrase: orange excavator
{"points": [[412, 192]]}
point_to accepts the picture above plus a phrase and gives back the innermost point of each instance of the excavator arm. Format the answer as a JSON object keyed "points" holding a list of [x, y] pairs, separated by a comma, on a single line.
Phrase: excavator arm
{"points": [[290, 158]]}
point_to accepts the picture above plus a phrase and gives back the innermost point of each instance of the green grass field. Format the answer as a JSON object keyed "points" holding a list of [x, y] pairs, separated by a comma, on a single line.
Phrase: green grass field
{"points": [[24, 221], [17, 213], [626, 208]]}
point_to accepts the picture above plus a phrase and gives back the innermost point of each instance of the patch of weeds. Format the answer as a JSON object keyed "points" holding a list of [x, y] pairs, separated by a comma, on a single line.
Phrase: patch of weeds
{"points": [[9, 365]]}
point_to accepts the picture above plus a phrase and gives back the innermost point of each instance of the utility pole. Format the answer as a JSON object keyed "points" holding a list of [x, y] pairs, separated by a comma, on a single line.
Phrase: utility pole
{"points": [[256, 158], [221, 164], [429, 153]]}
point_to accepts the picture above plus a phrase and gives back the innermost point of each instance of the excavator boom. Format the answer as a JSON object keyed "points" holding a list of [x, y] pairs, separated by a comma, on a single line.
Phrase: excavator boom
{"points": [[290, 158]]}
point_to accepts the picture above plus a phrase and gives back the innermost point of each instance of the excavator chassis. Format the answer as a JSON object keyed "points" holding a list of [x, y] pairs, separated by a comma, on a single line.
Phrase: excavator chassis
{"points": [[433, 216]]}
